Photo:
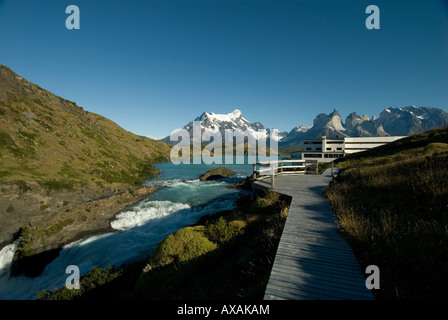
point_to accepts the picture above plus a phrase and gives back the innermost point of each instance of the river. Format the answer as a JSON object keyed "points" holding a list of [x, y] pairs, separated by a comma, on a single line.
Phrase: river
{"points": [[140, 228]]}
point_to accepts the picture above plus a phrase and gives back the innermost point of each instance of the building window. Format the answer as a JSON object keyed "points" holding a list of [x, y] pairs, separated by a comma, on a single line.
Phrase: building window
{"points": [[339, 148], [319, 149], [328, 149], [312, 155], [333, 155]]}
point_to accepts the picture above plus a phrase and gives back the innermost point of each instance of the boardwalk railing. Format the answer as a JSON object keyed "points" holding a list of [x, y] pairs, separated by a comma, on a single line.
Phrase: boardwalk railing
{"points": [[270, 169]]}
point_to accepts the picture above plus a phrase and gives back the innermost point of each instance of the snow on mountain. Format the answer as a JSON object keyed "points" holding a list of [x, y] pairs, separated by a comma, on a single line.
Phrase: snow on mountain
{"points": [[213, 123], [411, 120], [391, 122]]}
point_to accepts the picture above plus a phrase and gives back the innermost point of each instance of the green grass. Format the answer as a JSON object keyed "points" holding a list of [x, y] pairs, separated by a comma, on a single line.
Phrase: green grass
{"points": [[23, 186], [391, 204], [56, 185], [57, 227], [61, 141]]}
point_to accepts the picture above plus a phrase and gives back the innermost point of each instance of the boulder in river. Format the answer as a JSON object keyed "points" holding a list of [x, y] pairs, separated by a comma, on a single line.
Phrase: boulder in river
{"points": [[217, 173]]}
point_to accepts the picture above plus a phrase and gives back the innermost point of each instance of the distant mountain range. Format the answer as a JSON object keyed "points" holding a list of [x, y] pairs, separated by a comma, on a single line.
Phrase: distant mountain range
{"points": [[391, 122]]}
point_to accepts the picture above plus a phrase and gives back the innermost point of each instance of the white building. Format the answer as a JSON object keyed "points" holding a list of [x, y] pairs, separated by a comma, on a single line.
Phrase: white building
{"points": [[357, 144], [326, 150]]}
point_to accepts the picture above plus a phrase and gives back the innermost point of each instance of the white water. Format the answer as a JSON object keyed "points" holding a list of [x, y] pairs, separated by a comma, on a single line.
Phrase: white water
{"points": [[140, 228]]}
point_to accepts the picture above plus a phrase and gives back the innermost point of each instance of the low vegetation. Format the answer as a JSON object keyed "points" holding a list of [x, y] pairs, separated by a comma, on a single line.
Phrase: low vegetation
{"points": [[392, 205], [227, 255], [92, 280]]}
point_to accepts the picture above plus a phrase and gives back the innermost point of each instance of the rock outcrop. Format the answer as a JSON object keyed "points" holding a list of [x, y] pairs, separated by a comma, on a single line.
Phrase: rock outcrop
{"points": [[217, 173]]}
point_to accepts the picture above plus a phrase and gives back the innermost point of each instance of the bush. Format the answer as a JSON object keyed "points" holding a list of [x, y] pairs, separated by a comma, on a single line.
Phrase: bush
{"points": [[25, 246], [57, 185], [222, 231], [183, 245], [269, 199], [91, 280]]}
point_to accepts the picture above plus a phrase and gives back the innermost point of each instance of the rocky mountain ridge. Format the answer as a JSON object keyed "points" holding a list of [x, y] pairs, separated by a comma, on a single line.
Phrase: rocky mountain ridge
{"points": [[391, 122]]}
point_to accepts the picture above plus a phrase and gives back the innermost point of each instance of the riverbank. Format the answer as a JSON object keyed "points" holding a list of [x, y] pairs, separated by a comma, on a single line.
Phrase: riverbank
{"points": [[64, 217], [225, 255]]}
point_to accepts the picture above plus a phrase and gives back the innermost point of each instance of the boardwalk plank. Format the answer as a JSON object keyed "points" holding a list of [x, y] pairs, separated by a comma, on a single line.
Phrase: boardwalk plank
{"points": [[316, 266], [326, 290], [337, 280], [313, 260]]}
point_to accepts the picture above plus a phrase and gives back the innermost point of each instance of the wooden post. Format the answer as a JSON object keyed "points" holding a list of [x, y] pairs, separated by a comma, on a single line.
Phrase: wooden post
{"points": [[332, 166], [254, 167], [317, 167]]}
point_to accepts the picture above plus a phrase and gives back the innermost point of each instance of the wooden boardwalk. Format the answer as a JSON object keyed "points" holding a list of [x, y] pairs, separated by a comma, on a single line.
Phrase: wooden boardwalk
{"points": [[313, 261]]}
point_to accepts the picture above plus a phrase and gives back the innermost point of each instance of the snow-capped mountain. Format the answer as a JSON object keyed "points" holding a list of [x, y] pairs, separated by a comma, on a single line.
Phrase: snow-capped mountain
{"points": [[213, 123], [411, 120], [391, 122]]}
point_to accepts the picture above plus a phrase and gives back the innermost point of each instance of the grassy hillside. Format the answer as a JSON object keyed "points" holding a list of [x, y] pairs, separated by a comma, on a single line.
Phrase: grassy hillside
{"points": [[52, 141], [64, 171], [392, 205]]}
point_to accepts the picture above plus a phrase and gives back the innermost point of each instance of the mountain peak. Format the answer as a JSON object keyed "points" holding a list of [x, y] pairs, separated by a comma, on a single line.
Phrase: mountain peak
{"points": [[236, 113], [215, 122], [335, 113]]}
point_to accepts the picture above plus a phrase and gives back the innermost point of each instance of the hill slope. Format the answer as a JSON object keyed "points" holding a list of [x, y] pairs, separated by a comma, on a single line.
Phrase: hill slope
{"points": [[56, 158], [392, 205], [46, 137]]}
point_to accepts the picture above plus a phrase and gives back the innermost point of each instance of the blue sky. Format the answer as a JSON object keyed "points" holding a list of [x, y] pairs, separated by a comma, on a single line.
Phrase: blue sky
{"points": [[152, 66]]}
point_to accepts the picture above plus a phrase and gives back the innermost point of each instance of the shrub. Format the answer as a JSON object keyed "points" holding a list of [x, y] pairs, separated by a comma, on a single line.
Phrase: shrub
{"points": [[25, 245], [183, 245], [57, 227], [23, 186], [269, 199], [91, 280], [54, 184], [222, 231]]}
